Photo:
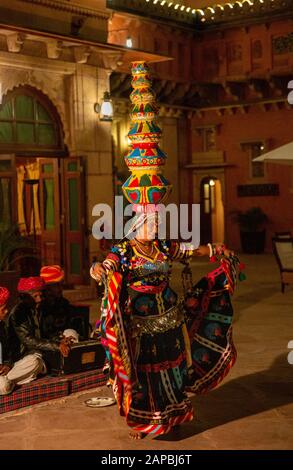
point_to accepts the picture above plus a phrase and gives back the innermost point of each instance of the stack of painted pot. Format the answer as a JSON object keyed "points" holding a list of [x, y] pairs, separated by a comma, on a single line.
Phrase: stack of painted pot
{"points": [[146, 185]]}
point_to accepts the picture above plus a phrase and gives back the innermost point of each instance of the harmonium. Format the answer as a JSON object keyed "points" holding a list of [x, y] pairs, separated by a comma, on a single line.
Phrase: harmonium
{"points": [[83, 356]]}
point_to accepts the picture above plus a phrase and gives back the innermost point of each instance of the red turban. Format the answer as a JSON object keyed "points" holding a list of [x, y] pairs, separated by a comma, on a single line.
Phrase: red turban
{"points": [[27, 284], [4, 295], [52, 274]]}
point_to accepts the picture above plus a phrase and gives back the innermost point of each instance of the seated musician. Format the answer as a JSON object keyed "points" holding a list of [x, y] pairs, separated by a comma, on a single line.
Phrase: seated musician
{"points": [[56, 310], [21, 348]]}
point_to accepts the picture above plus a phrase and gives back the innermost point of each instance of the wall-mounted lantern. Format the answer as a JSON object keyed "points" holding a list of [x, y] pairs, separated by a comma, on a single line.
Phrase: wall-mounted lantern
{"points": [[105, 109]]}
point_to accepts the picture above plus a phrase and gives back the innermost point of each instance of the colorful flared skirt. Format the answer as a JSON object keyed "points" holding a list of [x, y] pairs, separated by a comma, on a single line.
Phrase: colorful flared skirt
{"points": [[154, 368]]}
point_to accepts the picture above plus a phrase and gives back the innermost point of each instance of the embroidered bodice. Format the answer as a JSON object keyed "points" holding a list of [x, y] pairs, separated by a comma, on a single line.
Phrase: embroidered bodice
{"points": [[146, 289]]}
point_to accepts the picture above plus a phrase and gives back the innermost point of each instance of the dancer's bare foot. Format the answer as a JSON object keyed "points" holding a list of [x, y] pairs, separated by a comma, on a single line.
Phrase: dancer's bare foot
{"points": [[136, 435]]}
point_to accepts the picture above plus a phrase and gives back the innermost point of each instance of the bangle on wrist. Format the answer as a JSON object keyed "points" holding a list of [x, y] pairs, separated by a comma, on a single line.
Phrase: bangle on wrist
{"points": [[211, 249], [219, 249]]}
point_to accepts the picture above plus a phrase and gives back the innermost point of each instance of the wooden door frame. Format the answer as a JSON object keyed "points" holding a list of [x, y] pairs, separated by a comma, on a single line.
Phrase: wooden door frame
{"points": [[57, 203], [11, 174], [205, 180]]}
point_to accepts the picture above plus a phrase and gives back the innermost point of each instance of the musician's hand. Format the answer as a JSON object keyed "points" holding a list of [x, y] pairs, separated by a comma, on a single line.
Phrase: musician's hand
{"points": [[69, 340], [64, 348], [97, 271], [4, 369]]}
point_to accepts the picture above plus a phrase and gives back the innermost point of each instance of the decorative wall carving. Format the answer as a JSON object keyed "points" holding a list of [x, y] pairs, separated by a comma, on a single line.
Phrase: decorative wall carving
{"points": [[282, 44]]}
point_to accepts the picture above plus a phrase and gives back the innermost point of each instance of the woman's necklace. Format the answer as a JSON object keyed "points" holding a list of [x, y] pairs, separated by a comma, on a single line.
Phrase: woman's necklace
{"points": [[142, 251]]}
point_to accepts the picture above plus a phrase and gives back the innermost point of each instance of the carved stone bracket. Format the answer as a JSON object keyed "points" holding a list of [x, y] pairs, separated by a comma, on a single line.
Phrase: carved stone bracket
{"points": [[283, 44], [228, 97], [168, 89], [15, 42], [111, 59], [244, 109], [233, 90], [81, 54], [256, 88], [54, 49]]}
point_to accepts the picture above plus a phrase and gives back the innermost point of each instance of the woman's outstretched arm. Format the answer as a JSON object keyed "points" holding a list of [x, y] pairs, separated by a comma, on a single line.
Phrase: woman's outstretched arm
{"points": [[212, 250], [180, 250]]}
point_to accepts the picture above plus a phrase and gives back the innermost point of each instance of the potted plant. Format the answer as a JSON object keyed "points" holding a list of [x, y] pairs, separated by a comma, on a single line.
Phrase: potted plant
{"points": [[252, 229]]}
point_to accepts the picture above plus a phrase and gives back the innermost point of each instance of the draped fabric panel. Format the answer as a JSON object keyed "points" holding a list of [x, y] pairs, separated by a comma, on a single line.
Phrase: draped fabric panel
{"points": [[49, 204], [20, 204], [33, 172], [30, 171]]}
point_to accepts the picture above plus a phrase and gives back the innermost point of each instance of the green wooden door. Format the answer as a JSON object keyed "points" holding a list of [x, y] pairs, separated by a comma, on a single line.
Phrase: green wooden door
{"points": [[74, 220]]}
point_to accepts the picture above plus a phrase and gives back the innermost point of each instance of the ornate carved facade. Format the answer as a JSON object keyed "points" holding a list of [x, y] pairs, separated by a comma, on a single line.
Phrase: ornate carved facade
{"points": [[230, 71]]}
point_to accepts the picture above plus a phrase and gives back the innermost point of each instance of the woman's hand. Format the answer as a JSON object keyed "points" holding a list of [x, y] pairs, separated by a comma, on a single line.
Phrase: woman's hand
{"points": [[202, 250], [223, 250], [97, 271], [228, 252]]}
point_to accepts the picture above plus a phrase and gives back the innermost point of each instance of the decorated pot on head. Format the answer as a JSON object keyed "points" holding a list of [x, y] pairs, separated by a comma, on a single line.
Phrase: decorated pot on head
{"points": [[145, 160]]}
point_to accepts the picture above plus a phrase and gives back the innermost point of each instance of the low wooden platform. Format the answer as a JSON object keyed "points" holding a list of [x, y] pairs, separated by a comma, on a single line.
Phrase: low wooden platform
{"points": [[49, 388]]}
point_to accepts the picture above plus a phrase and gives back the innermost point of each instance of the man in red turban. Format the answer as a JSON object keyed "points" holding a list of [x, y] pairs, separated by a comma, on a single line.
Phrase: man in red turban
{"points": [[4, 296], [5, 354], [52, 274], [26, 340], [27, 368], [32, 286]]}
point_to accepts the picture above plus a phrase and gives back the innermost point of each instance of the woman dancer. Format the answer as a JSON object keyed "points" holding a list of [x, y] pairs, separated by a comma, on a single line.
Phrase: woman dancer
{"points": [[162, 346]]}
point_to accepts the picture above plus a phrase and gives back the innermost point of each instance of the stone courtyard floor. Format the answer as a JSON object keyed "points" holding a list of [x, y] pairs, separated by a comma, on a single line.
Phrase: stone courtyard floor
{"points": [[251, 409]]}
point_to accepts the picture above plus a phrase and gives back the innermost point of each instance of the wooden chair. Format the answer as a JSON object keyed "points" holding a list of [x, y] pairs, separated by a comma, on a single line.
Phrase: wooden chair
{"points": [[283, 251]]}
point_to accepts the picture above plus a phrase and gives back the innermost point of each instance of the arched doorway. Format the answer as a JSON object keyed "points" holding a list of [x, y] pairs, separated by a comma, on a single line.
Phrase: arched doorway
{"points": [[40, 188], [212, 210]]}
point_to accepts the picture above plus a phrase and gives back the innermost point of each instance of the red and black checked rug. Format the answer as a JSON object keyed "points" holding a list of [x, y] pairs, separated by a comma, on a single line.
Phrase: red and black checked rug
{"points": [[49, 388]]}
